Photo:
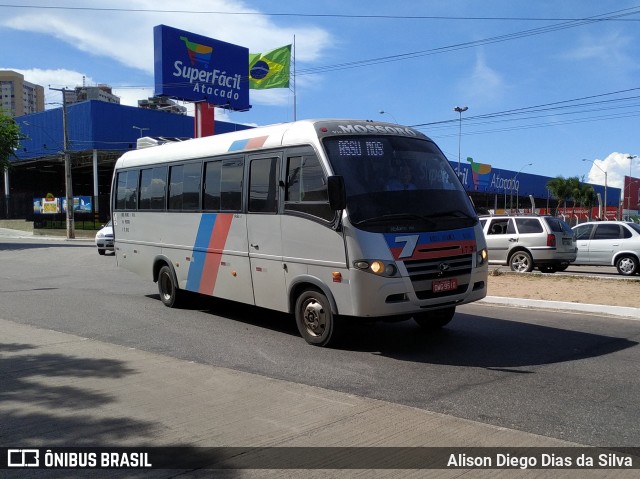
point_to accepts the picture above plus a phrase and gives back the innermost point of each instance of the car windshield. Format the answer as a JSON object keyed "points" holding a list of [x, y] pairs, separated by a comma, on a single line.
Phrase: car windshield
{"points": [[399, 184], [634, 226]]}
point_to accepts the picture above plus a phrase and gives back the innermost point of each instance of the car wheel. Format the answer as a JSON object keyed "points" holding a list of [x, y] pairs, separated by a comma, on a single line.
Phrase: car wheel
{"points": [[101, 251], [436, 319], [316, 322], [561, 267], [627, 265], [170, 294], [521, 262]]}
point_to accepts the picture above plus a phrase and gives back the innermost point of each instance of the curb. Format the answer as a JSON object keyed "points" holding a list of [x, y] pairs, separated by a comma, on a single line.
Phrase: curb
{"points": [[621, 311]]}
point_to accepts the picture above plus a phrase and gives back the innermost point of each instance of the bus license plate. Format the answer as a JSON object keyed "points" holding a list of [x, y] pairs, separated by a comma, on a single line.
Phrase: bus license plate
{"points": [[442, 285]]}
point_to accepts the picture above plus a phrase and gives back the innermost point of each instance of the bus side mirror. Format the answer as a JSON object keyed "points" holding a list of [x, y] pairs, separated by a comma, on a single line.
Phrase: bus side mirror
{"points": [[337, 193]]}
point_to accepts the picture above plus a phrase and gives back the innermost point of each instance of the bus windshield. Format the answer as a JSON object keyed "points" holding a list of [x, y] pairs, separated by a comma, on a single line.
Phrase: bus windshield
{"points": [[397, 183]]}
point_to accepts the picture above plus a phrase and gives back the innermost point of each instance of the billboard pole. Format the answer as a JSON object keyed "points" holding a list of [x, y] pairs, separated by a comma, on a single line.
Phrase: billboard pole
{"points": [[204, 120]]}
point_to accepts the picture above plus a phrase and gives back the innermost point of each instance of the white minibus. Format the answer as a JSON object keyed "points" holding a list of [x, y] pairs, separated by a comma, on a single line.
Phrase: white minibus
{"points": [[330, 220]]}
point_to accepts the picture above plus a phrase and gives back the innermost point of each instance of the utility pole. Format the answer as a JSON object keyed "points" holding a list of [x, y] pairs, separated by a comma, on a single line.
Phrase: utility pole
{"points": [[67, 167]]}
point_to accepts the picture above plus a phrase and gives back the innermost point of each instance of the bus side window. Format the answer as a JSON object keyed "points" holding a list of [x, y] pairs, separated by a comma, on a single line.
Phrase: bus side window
{"points": [[127, 192], [184, 187], [231, 177], [306, 189], [212, 170], [263, 185], [152, 188]]}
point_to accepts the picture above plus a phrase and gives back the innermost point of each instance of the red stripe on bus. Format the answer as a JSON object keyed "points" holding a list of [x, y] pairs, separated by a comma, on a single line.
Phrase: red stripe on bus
{"points": [[214, 253], [256, 142]]}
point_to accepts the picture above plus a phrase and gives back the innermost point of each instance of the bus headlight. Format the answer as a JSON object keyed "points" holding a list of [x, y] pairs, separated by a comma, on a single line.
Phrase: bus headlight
{"points": [[377, 266], [482, 256]]}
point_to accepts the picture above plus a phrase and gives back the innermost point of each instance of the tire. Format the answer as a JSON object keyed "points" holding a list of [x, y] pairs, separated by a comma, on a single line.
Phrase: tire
{"points": [[101, 252], [436, 319], [561, 266], [521, 262], [170, 294], [316, 322], [627, 265]]}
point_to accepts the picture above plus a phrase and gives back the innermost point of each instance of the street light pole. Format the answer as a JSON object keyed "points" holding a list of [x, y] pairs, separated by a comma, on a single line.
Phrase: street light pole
{"points": [[141, 129], [460, 109], [605, 185], [631, 157], [513, 180], [382, 112]]}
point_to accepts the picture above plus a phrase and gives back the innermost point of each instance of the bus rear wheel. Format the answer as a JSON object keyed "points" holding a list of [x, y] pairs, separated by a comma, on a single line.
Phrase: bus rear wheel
{"points": [[436, 319], [170, 294], [314, 318]]}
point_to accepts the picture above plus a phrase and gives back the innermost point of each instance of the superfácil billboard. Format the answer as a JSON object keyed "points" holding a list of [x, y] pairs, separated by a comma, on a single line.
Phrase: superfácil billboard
{"points": [[195, 68]]}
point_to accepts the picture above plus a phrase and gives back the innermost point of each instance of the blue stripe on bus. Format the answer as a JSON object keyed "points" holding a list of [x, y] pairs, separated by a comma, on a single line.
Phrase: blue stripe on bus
{"points": [[203, 237], [238, 145]]}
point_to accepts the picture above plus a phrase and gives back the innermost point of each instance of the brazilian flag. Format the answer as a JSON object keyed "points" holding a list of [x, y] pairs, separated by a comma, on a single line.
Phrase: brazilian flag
{"points": [[270, 69]]}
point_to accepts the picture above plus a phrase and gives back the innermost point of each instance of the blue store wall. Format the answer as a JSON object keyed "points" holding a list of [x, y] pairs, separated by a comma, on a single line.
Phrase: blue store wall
{"points": [[102, 126]]}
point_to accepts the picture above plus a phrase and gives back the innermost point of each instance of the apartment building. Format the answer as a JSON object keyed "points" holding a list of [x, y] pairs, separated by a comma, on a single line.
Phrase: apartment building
{"points": [[99, 92], [19, 97]]}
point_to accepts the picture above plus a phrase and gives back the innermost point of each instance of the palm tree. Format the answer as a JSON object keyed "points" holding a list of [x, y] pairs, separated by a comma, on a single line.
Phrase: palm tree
{"points": [[573, 186], [587, 197], [560, 188]]}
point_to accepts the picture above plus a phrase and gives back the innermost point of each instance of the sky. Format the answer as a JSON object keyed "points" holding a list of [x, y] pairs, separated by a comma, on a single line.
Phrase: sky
{"points": [[552, 87]]}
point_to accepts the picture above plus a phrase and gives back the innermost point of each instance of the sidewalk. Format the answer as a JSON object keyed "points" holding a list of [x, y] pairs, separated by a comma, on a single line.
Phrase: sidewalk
{"points": [[62, 390]]}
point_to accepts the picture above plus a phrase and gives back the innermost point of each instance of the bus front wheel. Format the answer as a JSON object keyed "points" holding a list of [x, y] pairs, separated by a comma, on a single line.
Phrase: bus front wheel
{"points": [[316, 322], [167, 287], [435, 319]]}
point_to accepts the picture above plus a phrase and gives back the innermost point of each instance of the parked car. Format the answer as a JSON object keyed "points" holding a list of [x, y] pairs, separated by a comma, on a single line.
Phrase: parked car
{"points": [[525, 242], [104, 238], [609, 243]]}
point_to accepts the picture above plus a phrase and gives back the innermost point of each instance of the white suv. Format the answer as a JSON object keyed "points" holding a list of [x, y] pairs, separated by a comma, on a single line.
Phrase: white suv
{"points": [[525, 242]]}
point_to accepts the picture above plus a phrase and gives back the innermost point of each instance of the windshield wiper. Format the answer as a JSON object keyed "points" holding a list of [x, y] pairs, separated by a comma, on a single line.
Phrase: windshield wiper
{"points": [[393, 217], [454, 213]]}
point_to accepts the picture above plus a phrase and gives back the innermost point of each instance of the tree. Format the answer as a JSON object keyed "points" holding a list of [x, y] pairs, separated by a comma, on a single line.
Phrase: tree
{"points": [[561, 189], [586, 197], [10, 136], [573, 186]]}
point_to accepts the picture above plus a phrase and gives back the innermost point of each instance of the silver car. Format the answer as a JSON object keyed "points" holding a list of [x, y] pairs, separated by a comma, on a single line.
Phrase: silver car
{"points": [[609, 243], [525, 242]]}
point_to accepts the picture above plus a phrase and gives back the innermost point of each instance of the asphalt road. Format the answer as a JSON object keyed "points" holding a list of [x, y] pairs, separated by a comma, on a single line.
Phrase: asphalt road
{"points": [[561, 375]]}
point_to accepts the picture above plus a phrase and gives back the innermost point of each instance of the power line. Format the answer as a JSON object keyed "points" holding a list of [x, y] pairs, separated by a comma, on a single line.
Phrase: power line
{"points": [[305, 15], [464, 45]]}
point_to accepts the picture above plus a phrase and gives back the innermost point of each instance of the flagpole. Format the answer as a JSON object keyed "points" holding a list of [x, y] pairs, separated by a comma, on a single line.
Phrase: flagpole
{"points": [[294, 79]]}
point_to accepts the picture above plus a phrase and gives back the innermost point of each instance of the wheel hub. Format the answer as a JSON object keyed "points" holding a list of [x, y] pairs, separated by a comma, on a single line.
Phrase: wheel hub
{"points": [[314, 317]]}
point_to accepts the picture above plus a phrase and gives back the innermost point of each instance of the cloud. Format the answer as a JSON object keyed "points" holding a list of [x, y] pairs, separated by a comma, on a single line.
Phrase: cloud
{"points": [[617, 167], [610, 50], [127, 36], [485, 85]]}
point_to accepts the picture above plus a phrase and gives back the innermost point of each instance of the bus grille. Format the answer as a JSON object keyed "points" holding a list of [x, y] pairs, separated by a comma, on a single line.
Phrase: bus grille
{"points": [[423, 272]]}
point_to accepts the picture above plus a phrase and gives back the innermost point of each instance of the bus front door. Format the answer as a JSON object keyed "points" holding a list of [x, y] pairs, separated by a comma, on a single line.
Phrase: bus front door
{"points": [[264, 233]]}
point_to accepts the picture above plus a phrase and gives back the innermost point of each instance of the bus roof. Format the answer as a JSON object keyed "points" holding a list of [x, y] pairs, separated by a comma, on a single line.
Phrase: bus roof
{"points": [[272, 136]]}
